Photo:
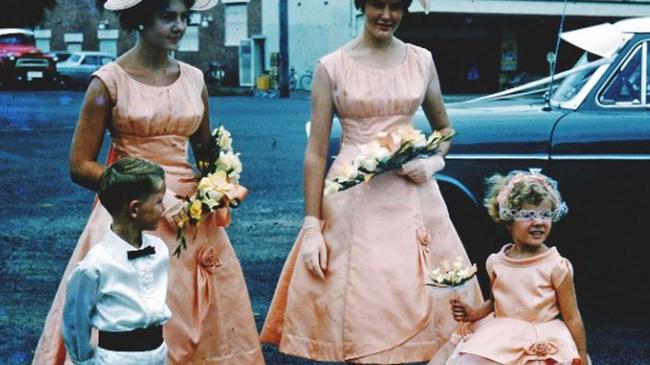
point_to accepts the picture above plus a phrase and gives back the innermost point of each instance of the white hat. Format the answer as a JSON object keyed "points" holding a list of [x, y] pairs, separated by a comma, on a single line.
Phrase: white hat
{"points": [[116, 5]]}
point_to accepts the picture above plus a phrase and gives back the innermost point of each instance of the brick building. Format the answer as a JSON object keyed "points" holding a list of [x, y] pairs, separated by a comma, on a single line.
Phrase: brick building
{"points": [[213, 35]]}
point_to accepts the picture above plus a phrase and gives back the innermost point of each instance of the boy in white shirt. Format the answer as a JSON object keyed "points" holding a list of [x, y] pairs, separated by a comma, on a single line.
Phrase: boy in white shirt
{"points": [[120, 287]]}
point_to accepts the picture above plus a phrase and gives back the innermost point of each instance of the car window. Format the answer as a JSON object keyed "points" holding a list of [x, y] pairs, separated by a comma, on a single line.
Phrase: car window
{"points": [[74, 58], [625, 87], [17, 39], [90, 60], [573, 83], [106, 60]]}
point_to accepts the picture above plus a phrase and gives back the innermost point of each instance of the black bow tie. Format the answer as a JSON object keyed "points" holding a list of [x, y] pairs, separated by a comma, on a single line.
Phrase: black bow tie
{"points": [[149, 250]]}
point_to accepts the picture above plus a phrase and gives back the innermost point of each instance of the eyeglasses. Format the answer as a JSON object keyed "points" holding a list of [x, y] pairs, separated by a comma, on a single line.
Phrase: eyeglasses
{"points": [[529, 215]]}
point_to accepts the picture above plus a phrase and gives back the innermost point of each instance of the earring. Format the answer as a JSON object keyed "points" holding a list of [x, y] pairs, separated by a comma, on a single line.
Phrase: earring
{"points": [[141, 27]]}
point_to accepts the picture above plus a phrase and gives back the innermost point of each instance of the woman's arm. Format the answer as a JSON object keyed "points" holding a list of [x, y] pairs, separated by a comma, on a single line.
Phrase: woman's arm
{"points": [[322, 112], [422, 169], [200, 140], [566, 296], [434, 109], [89, 135], [314, 250]]}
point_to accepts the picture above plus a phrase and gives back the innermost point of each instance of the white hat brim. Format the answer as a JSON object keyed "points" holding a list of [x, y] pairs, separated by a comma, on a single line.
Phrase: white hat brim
{"points": [[117, 5], [201, 5]]}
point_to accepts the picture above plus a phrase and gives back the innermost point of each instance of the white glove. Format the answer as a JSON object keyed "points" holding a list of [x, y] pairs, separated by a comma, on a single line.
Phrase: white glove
{"points": [[314, 251], [421, 170], [175, 208]]}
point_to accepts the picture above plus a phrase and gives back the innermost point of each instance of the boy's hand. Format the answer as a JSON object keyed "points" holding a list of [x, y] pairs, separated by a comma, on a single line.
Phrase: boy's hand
{"points": [[462, 311]]}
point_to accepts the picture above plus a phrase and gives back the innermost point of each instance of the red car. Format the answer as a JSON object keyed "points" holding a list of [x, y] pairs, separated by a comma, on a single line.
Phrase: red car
{"points": [[21, 62]]}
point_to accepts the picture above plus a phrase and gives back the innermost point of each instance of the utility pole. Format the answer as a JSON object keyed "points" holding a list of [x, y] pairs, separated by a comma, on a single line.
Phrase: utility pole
{"points": [[284, 49]]}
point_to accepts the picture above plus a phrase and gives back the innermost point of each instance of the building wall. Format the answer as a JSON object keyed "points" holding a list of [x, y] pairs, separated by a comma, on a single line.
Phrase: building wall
{"points": [[316, 27], [82, 16], [494, 41]]}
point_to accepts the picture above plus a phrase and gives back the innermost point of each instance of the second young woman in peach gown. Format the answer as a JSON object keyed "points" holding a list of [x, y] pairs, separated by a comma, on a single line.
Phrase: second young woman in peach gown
{"points": [[353, 287]]}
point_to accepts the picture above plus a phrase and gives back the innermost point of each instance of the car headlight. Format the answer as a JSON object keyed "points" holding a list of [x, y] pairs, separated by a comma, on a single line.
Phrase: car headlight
{"points": [[11, 57]]}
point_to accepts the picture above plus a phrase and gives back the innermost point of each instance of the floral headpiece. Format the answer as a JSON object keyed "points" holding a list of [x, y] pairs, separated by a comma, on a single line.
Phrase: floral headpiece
{"points": [[523, 177]]}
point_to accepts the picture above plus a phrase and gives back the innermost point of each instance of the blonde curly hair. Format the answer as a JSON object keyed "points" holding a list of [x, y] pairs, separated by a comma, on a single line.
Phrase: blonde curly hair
{"points": [[518, 188]]}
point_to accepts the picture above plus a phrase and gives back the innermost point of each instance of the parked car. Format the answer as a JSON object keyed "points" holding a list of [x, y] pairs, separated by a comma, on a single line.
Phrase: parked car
{"points": [[21, 62], [59, 56], [76, 70], [593, 137]]}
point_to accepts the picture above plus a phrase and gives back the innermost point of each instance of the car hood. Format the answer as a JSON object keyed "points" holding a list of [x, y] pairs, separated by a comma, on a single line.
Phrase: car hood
{"points": [[500, 127]]}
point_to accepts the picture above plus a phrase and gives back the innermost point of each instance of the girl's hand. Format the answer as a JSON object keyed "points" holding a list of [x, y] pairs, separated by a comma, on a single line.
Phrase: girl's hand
{"points": [[421, 170], [462, 312], [314, 251]]}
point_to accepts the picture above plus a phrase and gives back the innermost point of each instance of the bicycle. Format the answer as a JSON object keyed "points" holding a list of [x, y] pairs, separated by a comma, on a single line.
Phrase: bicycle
{"points": [[305, 80]]}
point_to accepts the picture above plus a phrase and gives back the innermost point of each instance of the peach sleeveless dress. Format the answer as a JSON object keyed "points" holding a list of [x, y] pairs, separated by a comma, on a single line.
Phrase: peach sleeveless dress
{"points": [[382, 238], [525, 329], [212, 321]]}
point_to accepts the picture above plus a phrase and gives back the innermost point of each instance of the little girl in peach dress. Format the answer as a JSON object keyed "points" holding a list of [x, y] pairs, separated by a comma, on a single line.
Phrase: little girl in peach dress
{"points": [[536, 318]]}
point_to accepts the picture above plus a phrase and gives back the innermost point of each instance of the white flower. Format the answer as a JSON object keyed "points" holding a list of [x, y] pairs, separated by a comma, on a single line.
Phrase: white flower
{"points": [[348, 171], [331, 187], [229, 162], [374, 150], [225, 140], [368, 163], [412, 136]]}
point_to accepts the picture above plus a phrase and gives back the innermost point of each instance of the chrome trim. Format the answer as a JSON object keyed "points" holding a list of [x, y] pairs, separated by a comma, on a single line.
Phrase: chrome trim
{"points": [[490, 156], [608, 157], [618, 67], [644, 73], [32, 62]]}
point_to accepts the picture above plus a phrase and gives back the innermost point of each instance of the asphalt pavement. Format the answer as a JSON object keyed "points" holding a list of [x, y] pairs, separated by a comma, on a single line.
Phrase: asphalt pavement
{"points": [[44, 213]]}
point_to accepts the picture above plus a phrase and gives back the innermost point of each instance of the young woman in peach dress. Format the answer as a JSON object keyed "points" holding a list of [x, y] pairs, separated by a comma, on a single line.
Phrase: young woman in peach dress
{"points": [[531, 285], [152, 105], [353, 287]]}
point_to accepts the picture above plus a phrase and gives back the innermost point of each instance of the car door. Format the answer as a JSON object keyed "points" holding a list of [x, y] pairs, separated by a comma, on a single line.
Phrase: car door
{"points": [[88, 65], [600, 154]]}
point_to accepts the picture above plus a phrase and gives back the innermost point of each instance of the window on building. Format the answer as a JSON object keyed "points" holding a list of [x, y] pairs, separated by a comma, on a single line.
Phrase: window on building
{"points": [[190, 41], [236, 22]]}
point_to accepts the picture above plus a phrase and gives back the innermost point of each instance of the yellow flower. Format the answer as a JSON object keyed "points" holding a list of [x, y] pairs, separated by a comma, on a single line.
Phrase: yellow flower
{"points": [[196, 210], [375, 151]]}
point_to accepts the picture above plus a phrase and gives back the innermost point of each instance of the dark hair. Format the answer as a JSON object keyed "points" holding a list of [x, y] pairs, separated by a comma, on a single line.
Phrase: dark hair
{"points": [[143, 12], [126, 180], [361, 5]]}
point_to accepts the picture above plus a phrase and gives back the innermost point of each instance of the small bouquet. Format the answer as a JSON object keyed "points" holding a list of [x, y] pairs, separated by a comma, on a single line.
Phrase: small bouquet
{"points": [[452, 276], [388, 152], [218, 185]]}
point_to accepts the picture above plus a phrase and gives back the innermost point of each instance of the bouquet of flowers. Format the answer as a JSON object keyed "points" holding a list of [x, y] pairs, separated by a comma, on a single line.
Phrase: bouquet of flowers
{"points": [[452, 276], [388, 152], [218, 185]]}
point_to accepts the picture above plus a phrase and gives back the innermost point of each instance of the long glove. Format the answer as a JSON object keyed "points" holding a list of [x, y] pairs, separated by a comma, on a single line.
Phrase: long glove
{"points": [[314, 251], [421, 170]]}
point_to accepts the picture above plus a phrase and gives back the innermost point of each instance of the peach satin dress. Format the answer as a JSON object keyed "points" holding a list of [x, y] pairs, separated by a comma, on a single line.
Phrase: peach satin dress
{"points": [[212, 321], [382, 238], [525, 329]]}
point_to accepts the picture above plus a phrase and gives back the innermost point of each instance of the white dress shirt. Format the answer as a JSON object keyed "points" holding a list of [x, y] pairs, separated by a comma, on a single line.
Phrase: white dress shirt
{"points": [[112, 293]]}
